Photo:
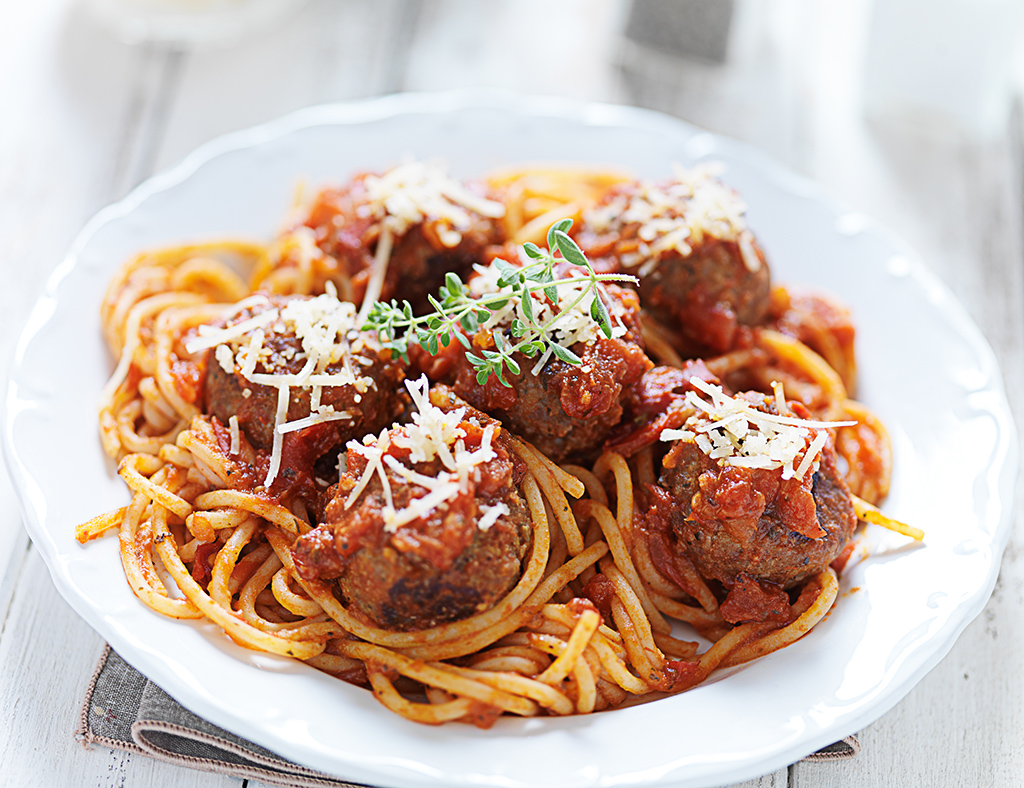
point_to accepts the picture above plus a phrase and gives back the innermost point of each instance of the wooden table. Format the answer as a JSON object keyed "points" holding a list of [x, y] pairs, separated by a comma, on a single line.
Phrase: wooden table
{"points": [[84, 118]]}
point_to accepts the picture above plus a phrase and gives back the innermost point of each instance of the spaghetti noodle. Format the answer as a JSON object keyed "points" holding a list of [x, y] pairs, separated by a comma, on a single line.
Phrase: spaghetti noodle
{"points": [[257, 533]]}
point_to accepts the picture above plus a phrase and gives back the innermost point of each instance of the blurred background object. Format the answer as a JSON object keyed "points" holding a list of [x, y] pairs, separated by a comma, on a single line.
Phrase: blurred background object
{"points": [[689, 28]]}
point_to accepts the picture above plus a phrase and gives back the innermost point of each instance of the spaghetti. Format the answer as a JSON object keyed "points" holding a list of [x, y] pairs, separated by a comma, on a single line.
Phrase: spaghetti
{"points": [[252, 493]]}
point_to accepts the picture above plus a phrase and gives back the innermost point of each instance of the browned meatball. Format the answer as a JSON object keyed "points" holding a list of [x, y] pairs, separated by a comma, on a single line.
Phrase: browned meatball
{"points": [[436, 225], [702, 275], [565, 410], [364, 396], [733, 521], [410, 569]]}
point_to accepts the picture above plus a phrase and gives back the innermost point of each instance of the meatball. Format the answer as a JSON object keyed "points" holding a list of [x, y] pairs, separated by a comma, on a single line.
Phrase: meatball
{"points": [[564, 409], [769, 524], [334, 371], [431, 544], [435, 225], [701, 273]]}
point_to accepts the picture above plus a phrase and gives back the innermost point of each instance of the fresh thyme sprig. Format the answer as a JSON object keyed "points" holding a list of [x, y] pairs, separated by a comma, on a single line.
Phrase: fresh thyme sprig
{"points": [[458, 313]]}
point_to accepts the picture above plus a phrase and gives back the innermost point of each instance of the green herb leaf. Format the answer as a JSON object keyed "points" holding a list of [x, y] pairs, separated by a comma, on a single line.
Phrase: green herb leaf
{"points": [[551, 292], [509, 273], [563, 226], [564, 354], [599, 313], [527, 304], [434, 303], [570, 251], [455, 286], [532, 250]]}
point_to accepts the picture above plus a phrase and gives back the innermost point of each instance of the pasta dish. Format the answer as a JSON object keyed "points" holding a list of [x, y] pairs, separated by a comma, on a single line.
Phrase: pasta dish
{"points": [[547, 442]]}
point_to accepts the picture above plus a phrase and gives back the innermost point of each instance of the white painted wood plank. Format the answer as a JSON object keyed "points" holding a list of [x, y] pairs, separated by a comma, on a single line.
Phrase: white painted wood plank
{"points": [[328, 52], [779, 779], [14, 543]]}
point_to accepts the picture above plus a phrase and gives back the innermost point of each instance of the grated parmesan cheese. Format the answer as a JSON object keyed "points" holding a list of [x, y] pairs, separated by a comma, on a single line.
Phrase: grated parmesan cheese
{"points": [[327, 331], [416, 191], [734, 432], [410, 194], [236, 438], [491, 515], [432, 434], [225, 358], [675, 217], [209, 336]]}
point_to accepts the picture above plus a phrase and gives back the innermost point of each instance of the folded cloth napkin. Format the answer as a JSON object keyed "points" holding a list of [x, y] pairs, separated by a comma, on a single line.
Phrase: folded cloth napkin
{"points": [[126, 711]]}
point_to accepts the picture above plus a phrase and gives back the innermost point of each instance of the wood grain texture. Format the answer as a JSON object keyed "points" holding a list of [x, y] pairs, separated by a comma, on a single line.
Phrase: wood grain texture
{"points": [[85, 119]]}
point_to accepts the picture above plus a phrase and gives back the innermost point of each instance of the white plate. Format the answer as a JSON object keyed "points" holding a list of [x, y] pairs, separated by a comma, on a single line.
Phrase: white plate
{"points": [[924, 368]]}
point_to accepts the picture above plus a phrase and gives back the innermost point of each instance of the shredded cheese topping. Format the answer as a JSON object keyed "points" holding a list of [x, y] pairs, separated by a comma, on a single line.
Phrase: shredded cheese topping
{"points": [[416, 191], [236, 438], [326, 329], [566, 324], [432, 434], [675, 217], [410, 194], [736, 433]]}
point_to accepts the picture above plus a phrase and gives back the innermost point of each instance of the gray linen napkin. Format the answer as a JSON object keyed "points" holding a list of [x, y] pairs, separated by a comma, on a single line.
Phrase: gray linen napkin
{"points": [[126, 711]]}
